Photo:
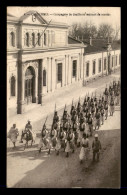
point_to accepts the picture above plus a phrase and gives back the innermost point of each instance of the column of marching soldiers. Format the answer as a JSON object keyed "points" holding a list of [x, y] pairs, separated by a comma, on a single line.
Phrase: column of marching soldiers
{"points": [[80, 123], [73, 129]]}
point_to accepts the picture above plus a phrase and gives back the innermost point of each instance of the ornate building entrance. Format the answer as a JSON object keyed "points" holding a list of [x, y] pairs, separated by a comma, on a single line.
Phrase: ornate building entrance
{"points": [[29, 85]]}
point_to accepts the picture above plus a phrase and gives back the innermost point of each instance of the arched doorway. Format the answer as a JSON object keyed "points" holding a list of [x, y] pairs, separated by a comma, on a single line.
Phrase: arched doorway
{"points": [[29, 85]]}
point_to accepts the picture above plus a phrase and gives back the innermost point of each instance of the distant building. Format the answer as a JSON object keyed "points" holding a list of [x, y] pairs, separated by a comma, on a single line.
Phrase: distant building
{"points": [[41, 58], [101, 57]]}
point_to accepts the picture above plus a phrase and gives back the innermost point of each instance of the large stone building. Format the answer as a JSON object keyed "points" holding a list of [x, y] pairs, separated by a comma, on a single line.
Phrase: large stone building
{"points": [[41, 58]]}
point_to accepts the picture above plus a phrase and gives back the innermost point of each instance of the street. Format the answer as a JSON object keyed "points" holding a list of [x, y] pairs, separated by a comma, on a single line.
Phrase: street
{"points": [[30, 169]]}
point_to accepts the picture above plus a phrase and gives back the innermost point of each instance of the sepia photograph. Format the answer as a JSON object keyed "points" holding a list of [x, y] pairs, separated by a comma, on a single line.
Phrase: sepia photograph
{"points": [[63, 97]]}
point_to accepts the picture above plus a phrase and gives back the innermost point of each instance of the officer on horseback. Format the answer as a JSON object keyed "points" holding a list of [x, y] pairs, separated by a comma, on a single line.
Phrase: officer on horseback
{"points": [[28, 127]]}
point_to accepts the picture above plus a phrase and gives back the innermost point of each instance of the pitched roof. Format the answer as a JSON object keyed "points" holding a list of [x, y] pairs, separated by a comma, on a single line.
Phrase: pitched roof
{"points": [[44, 19], [72, 40], [99, 45]]}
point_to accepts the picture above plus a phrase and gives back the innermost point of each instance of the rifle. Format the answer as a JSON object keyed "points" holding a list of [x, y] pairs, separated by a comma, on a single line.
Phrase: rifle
{"points": [[45, 120]]}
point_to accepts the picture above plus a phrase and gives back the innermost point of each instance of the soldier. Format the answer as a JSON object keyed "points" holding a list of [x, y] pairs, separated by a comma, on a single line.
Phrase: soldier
{"points": [[100, 104], [98, 115], [117, 97], [65, 116], [72, 110], [55, 118], [62, 136], [112, 107], [28, 127], [90, 123], [106, 110], [96, 146], [44, 138], [82, 128], [67, 143], [85, 108], [53, 135], [13, 134], [84, 150], [102, 115], [75, 130], [106, 93], [93, 110], [66, 125]]}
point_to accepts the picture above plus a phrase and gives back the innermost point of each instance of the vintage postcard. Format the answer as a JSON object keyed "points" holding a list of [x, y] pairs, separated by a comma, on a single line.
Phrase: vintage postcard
{"points": [[63, 97]]}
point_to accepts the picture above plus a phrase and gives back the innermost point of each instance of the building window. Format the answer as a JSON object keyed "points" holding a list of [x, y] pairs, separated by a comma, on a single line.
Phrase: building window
{"points": [[74, 68], [27, 39], [99, 68], [45, 39], [94, 67], [87, 69], [116, 60], [119, 58], [39, 39], [12, 86], [12, 39], [59, 73], [44, 77], [105, 64], [33, 39], [112, 61]]}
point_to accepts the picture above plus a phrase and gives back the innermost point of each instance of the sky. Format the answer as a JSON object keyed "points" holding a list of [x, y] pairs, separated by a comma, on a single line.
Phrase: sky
{"points": [[70, 15]]}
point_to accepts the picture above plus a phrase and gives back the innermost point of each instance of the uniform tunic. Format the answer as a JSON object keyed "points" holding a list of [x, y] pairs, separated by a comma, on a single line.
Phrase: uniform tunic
{"points": [[84, 152], [13, 134]]}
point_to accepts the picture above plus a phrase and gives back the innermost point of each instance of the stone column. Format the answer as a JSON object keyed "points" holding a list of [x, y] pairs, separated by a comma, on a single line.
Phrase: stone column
{"points": [[40, 81], [65, 70], [79, 64], [51, 76], [20, 95]]}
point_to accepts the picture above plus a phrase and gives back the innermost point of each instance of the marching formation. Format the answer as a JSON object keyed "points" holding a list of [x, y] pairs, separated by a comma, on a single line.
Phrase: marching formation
{"points": [[74, 128]]}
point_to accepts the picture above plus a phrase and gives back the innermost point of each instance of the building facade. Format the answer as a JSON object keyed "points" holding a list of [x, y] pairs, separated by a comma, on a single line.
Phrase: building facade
{"points": [[101, 58], [41, 58]]}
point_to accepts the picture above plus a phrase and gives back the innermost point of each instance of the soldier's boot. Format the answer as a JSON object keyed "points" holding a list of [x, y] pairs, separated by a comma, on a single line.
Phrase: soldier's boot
{"points": [[40, 150]]}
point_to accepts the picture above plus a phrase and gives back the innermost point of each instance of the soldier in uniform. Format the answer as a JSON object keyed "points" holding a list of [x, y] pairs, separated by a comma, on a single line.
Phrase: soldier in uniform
{"points": [[106, 110], [96, 146], [53, 135], [84, 152], [13, 134], [28, 127], [102, 114], [82, 128], [90, 123], [117, 96], [93, 110], [112, 107], [106, 93], [44, 138], [62, 136], [72, 110], [98, 118]]}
